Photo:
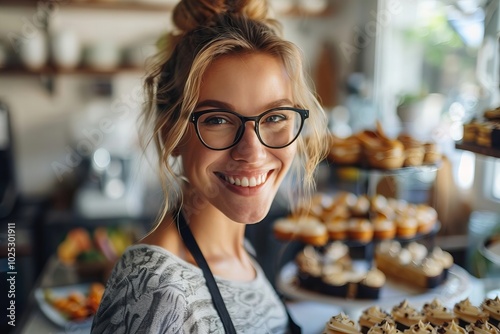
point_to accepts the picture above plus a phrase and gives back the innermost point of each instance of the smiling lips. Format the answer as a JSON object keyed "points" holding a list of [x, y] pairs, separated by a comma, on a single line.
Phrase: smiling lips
{"points": [[244, 181]]}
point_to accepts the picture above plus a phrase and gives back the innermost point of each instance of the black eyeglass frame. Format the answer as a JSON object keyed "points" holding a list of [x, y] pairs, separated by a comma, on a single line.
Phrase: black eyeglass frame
{"points": [[304, 114]]}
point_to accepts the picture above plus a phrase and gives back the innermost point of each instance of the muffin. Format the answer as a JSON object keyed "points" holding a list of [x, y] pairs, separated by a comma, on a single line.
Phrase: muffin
{"points": [[405, 315], [492, 306], [371, 284], [360, 230], [450, 328], [437, 314], [372, 316], [341, 324], [386, 326], [334, 281], [285, 229], [482, 327], [309, 269], [421, 328], [312, 231], [406, 226], [337, 229], [383, 228], [468, 314]]}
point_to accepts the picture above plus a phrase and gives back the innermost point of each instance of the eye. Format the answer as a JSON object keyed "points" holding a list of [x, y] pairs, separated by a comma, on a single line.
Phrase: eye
{"points": [[215, 120], [275, 118]]}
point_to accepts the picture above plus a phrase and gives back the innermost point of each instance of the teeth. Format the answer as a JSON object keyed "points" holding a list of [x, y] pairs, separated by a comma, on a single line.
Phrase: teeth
{"points": [[245, 181]]}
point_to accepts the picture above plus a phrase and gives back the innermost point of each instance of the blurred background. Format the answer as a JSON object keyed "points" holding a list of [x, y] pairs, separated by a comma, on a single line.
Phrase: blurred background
{"points": [[71, 91]]}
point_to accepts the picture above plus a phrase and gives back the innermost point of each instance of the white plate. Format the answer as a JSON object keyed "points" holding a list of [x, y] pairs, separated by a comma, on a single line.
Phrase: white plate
{"points": [[455, 288], [59, 292]]}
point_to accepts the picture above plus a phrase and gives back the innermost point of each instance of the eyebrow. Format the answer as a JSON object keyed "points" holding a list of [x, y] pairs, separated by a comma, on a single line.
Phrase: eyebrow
{"points": [[224, 105]]}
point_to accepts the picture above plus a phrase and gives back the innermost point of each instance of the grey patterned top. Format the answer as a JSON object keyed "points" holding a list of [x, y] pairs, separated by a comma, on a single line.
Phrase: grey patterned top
{"points": [[153, 291]]}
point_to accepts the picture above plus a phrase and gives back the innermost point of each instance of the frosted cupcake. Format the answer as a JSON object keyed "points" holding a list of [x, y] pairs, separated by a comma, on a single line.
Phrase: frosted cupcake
{"points": [[406, 316], [437, 314], [341, 324], [468, 313], [420, 328], [482, 327], [492, 306], [372, 316], [385, 327], [450, 328], [309, 268], [369, 287], [334, 281]]}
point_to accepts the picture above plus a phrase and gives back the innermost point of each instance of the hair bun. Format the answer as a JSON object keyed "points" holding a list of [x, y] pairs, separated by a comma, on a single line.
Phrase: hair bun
{"points": [[189, 14]]}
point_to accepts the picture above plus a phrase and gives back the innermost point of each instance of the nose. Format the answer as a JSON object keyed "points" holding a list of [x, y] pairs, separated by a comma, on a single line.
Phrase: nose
{"points": [[249, 148]]}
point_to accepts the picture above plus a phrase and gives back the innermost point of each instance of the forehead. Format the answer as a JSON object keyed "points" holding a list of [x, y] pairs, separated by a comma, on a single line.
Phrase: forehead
{"points": [[246, 79]]}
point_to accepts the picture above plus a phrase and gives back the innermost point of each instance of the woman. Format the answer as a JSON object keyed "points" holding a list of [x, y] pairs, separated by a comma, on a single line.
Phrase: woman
{"points": [[228, 100]]}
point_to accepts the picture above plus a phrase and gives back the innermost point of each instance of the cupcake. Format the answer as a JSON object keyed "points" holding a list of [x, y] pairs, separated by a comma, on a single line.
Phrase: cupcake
{"points": [[361, 207], [437, 314], [369, 287], [420, 328], [312, 231], [337, 253], [386, 326], [468, 313], [309, 268], [426, 217], [334, 281], [345, 151], [418, 252], [443, 257], [492, 306], [427, 274], [450, 328], [372, 316], [405, 315], [341, 324], [482, 327], [337, 229], [383, 228], [285, 229], [432, 154], [360, 230], [406, 226]]}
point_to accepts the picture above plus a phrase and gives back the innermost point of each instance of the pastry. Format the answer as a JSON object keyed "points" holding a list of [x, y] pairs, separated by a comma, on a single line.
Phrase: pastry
{"points": [[420, 328], [309, 268], [482, 327], [406, 226], [418, 251], [426, 218], [285, 229], [360, 230], [492, 306], [405, 315], [334, 281], [443, 257], [432, 153], [337, 253], [372, 316], [468, 313], [387, 326], [379, 207], [470, 132], [341, 324], [345, 151], [437, 314], [369, 287], [413, 149], [450, 328], [312, 231], [337, 229], [383, 228], [361, 207]]}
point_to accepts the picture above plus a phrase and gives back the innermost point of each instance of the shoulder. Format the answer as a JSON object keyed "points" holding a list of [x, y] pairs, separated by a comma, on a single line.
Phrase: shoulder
{"points": [[146, 292]]}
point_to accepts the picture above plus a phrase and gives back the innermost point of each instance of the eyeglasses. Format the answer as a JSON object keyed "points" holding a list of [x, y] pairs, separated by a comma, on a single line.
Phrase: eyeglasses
{"points": [[220, 129]]}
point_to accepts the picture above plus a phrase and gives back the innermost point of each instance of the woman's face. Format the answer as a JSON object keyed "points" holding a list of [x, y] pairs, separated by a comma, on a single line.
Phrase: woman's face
{"points": [[248, 85]]}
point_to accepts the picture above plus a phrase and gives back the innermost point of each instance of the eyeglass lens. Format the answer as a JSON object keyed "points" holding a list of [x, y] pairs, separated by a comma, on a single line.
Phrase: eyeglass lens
{"points": [[221, 129]]}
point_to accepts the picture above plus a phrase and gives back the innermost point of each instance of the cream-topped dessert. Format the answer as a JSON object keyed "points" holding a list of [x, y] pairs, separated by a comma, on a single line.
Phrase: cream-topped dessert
{"points": [[418, 251], [468, 313], [450, 328], [492, 306], [372, 316], [285, 229], [482, 327], [406, 315], [387, 326], [420, 328], [437, 314], [443, 257], [341, 324]]}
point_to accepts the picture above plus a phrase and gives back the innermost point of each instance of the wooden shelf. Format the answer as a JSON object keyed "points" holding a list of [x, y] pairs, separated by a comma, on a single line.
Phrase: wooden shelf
{"points": [[93, 4], [488, 151]]}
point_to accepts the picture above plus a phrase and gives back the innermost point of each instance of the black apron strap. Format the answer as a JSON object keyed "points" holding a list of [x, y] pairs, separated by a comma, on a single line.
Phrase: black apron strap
{"points": [[192, 246], [219, 304]]}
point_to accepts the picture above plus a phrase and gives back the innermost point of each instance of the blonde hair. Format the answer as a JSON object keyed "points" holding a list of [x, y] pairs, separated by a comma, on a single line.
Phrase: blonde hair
{"points": [[208, 30]]}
